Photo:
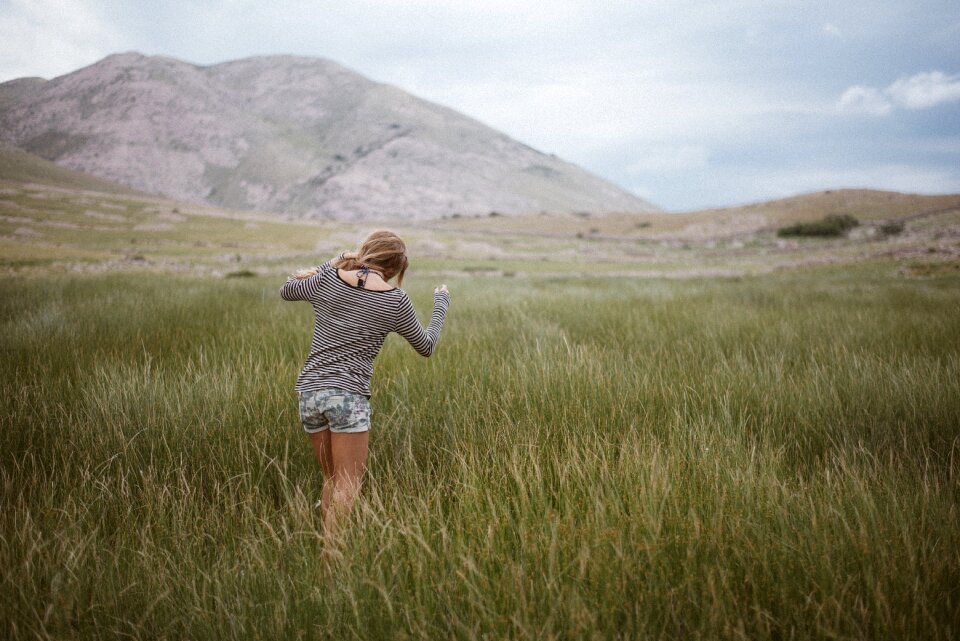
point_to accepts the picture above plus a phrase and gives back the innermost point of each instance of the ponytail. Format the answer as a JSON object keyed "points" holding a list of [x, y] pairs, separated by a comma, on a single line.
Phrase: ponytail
{"points": [[382, 250]]}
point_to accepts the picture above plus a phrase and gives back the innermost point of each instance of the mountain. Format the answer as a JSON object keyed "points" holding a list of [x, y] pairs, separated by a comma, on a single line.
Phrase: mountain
{"points": [[300, 136]]}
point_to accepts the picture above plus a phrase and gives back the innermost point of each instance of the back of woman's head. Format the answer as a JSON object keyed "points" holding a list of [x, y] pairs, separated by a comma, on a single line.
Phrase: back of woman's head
{"points": [[382, 250]]}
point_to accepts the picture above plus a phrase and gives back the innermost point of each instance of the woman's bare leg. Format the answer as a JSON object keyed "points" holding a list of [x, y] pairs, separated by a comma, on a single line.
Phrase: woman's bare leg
{"points": [[349, 454], [320, 442]]}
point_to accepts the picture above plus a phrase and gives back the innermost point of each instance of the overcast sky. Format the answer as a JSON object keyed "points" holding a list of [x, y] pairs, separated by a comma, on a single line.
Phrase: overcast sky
{"points": [[688, 104]]}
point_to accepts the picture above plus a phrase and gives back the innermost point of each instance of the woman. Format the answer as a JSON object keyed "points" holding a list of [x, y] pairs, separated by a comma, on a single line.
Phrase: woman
{"points": [[355, 308]]}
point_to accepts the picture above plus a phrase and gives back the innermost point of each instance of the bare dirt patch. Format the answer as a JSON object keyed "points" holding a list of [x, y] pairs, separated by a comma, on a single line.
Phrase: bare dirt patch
{"points": [[99, 215], [62, 224]]}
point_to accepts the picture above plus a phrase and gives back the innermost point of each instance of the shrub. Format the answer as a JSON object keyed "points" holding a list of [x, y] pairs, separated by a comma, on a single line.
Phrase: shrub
{"points": [[830, 225], [891, 227], [243, 273]]}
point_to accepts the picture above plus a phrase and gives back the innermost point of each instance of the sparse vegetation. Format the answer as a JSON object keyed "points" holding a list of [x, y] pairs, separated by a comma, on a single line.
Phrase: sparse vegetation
{"points": [[891, 228], [829, 226], [928, 269]]}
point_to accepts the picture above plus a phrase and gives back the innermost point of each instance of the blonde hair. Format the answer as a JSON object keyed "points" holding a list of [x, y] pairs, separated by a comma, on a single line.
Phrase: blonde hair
{"points": [[382, 250]]}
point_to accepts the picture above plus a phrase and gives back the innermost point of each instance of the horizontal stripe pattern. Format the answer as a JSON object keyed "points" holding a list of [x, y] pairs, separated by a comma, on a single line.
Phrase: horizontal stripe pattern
{"points": [[351, 325]]}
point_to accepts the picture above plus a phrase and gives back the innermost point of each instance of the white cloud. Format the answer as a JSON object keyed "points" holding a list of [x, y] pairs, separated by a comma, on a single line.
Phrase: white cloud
{"points": [[670, 158], [864, 100], [920, 91], [68, 34], [580, 110], [925, 90], [832, 30]]}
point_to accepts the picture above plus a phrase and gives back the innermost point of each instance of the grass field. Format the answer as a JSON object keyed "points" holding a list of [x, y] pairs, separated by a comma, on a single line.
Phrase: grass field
{"points": [[763, 457], [669, 426]]}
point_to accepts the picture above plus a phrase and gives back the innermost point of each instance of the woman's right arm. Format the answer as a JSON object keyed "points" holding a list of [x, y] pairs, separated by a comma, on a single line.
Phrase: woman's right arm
{"points": [[305, 282], [408, 326], [301, 286]]}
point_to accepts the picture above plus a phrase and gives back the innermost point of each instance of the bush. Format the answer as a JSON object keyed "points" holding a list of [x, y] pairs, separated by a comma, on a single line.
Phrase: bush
{"points": [[830, 225], [243, 273], [891, 227]]}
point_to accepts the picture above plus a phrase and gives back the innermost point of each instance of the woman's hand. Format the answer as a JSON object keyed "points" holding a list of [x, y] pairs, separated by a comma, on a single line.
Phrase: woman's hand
{"points": [[442, 290], [300, 274]]}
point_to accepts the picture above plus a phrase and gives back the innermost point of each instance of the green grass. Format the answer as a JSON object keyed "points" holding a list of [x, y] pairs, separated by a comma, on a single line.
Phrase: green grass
{"points": [[766, 458]]}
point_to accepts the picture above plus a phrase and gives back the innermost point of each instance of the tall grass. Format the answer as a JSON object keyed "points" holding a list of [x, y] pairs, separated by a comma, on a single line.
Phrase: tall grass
{"points": [[772, 458]]}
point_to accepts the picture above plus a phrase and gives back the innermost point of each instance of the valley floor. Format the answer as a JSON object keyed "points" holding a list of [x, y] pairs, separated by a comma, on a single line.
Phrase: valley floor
{"points": [[46, 230]]}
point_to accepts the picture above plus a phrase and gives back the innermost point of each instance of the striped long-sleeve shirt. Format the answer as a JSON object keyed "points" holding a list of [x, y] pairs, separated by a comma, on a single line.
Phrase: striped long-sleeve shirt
{"points": [[351, 325]]}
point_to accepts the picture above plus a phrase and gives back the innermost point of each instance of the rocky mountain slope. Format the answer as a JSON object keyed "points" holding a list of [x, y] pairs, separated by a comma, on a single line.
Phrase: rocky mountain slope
{"points": [[300, 136]]}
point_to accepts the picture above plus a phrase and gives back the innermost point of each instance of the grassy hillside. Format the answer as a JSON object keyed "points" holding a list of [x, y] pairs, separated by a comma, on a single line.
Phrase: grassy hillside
{"points": [[18, 166]]}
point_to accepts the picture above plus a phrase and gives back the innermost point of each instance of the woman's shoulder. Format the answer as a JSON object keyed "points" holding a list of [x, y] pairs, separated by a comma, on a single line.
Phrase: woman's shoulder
{"points": [[400, 296]]}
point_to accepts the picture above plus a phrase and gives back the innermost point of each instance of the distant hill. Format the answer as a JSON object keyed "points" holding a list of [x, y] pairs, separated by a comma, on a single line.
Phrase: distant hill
{"points": [[20, 167], [868, 206], [864, 204], [300, 136]]}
